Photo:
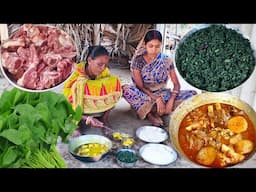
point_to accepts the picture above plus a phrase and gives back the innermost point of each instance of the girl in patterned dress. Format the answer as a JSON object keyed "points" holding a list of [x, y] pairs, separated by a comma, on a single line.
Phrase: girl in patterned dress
{"points": [[150, 72]]}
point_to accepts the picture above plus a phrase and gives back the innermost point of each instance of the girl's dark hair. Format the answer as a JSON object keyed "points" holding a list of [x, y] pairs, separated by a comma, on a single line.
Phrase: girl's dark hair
{"points": [[95, 51], [152, 34]]}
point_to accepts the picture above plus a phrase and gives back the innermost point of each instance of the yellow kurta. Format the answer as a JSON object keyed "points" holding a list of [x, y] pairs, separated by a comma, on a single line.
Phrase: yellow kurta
{"points": [[93, 96]]}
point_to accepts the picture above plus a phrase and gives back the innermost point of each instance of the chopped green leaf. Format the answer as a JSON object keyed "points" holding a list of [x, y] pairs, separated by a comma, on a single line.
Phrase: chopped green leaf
{"points": [[215, 58]]}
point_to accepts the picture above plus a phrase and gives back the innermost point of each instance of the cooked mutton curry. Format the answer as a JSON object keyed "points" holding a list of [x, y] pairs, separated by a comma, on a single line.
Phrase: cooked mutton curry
{"points": [[217, 135]]}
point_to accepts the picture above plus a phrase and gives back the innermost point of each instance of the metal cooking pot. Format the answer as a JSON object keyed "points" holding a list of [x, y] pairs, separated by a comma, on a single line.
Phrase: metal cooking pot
{"points": [[198, 100]]}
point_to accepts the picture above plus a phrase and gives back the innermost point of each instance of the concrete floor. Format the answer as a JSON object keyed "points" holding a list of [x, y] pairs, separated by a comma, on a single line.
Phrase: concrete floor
{"points": [[123, 119]]}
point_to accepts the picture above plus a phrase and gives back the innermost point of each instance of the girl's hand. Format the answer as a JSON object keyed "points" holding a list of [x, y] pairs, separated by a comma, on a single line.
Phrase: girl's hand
{"points": [[160, 106], [94, 122]]}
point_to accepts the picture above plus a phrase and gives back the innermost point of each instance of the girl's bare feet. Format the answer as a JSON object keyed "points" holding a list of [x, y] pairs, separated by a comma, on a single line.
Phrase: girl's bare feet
{"points": [[160, 120], [154, 120], [105, 120]]}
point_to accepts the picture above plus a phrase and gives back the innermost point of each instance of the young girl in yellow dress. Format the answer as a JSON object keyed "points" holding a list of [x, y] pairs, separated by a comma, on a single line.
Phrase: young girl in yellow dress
{"points": [[93, 88]]}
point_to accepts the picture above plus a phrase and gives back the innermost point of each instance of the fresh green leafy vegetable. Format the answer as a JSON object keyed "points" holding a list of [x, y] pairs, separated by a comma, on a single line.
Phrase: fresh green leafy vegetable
{"points": [[30, 125], [215, 58]]}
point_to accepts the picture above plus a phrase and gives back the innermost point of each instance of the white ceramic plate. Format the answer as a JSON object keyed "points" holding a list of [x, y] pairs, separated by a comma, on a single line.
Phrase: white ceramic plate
{"points": [[158, 154], [151, 134]]}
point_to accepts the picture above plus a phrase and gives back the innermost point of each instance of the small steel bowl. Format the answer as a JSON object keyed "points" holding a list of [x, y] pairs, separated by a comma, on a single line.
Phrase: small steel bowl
{"points": [[126, 164], [86, 139]]}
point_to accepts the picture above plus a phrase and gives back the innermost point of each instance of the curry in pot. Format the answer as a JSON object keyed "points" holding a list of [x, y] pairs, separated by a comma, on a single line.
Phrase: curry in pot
{"points": [[217, 135]]}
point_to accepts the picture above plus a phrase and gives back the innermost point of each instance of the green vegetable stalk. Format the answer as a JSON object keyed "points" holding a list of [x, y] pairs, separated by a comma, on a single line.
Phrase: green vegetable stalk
{"points": [[45, 159]]}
